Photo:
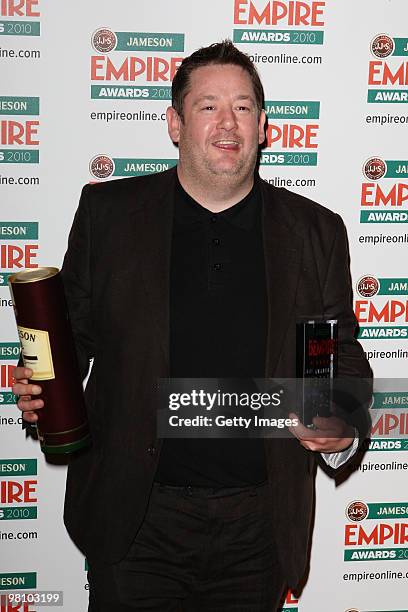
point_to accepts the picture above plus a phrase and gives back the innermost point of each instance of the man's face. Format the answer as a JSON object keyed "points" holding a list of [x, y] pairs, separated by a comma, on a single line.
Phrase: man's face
{"points": [[221, 127]]}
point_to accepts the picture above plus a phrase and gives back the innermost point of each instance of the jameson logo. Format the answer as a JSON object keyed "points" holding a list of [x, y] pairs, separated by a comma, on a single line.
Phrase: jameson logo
{"points": [[384, 196], [374, 168], [358, 511], [387, 74], [18, 105], [17, 493], [281, 14], [102, 166], [389, 399], [383, 45], [11, 581], [296, 142], [380, 539], [294, 109], [104, 40], [368, 286], [18, 230]]}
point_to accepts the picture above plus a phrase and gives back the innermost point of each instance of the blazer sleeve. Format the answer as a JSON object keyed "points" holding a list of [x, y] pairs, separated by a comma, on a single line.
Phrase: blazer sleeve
{"points": [[353, 398]]}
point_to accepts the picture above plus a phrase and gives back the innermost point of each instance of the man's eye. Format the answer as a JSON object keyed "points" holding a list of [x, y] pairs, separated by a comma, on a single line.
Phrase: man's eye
{"points": [[208, 107], [243, 108]]}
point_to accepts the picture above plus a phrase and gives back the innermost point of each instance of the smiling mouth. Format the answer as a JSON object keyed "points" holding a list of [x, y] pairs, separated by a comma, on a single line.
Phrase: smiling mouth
{"points": [[228, 145]]}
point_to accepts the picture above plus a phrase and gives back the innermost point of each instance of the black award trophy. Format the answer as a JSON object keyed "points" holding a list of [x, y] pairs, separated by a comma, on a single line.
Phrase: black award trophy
{"points": [[316, 366]]}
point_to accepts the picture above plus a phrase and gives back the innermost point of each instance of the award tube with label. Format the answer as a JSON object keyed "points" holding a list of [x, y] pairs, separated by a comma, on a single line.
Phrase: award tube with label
{"points": [[48, 349]]}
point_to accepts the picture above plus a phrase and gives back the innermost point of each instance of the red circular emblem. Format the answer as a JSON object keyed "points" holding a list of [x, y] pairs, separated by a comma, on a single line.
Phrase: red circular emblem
{"points": [[104, 40], [357, 511], [101, 166], [368, 286], [374, 168], [382, 45]]}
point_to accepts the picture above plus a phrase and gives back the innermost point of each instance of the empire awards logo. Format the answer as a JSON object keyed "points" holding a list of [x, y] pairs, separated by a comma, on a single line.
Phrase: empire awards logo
{"points": [[357, 511], [368, 286], [382, 45], [374, 168], [101, 166], [104, 40]]}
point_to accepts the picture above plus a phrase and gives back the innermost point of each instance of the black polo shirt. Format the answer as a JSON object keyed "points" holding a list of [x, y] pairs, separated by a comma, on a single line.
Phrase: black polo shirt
{"points": [[218, 328]]}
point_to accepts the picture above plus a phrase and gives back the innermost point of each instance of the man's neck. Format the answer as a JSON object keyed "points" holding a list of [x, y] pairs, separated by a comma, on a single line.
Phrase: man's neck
{"points": [[218, 195]]}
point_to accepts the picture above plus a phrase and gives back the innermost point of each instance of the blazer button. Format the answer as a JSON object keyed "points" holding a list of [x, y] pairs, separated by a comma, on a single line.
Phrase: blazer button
{"points": [[152, 450]]}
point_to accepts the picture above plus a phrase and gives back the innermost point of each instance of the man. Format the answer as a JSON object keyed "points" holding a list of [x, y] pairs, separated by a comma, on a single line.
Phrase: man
{"points": [[201, 271]]}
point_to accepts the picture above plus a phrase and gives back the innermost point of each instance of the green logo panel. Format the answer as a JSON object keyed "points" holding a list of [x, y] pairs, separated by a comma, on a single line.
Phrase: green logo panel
{"points": [[145, 92], [20, 513], [149, 41], [11, 581], [388, 511], [18, 230], [390, 444], [279, 37], [4, 276], [390, 400], [18, 467], [393, 286], [284, 158], [401, 46], [17, 105], [382, 216], [9, 350], [7, 398], [387, 96], [383, 332], [19, 156], [19, 28], [141, 167], [375, 554], [293, 109]]}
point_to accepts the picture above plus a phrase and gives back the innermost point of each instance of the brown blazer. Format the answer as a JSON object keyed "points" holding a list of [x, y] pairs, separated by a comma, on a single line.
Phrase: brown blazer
{"points": [[116, 277]]}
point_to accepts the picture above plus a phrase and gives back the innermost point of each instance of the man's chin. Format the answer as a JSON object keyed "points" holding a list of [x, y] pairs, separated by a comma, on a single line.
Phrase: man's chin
{"points": [[226, 170]]}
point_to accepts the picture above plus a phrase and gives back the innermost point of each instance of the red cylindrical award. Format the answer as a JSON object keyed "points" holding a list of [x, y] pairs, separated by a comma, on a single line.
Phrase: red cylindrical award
{"points": [[48, 349]]}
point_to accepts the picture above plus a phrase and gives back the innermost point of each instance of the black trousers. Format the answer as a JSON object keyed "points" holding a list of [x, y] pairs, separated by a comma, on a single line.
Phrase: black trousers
{"points": [[198, 549]]}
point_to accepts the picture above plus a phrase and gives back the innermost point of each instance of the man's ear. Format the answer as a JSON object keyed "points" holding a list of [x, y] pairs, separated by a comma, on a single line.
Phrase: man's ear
{"points": [[173, 124], [261, 127]]}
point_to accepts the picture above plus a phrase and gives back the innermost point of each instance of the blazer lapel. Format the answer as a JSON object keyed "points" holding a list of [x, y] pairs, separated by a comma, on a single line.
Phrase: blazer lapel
{"points": [[155, 247], [283, 255]]}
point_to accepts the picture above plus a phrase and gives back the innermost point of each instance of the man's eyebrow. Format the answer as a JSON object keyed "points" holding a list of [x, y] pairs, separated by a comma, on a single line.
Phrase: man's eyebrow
{"points": [[203, 98], [211, 98]]}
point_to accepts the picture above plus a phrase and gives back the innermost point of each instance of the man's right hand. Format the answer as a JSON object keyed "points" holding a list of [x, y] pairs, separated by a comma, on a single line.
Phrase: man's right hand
{"points": [[27, 402]]}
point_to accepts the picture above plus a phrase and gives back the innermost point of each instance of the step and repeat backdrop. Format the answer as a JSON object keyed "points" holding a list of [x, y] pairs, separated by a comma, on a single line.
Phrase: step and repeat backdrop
{"points": [[84, 90]]}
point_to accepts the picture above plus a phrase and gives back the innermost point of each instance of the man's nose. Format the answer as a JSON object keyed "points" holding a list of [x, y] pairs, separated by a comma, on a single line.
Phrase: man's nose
{"points": [[227, 119]]}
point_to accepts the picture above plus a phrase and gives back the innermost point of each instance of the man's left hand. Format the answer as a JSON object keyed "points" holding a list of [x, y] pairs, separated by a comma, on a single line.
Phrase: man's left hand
{"points": [[330, 435]]}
